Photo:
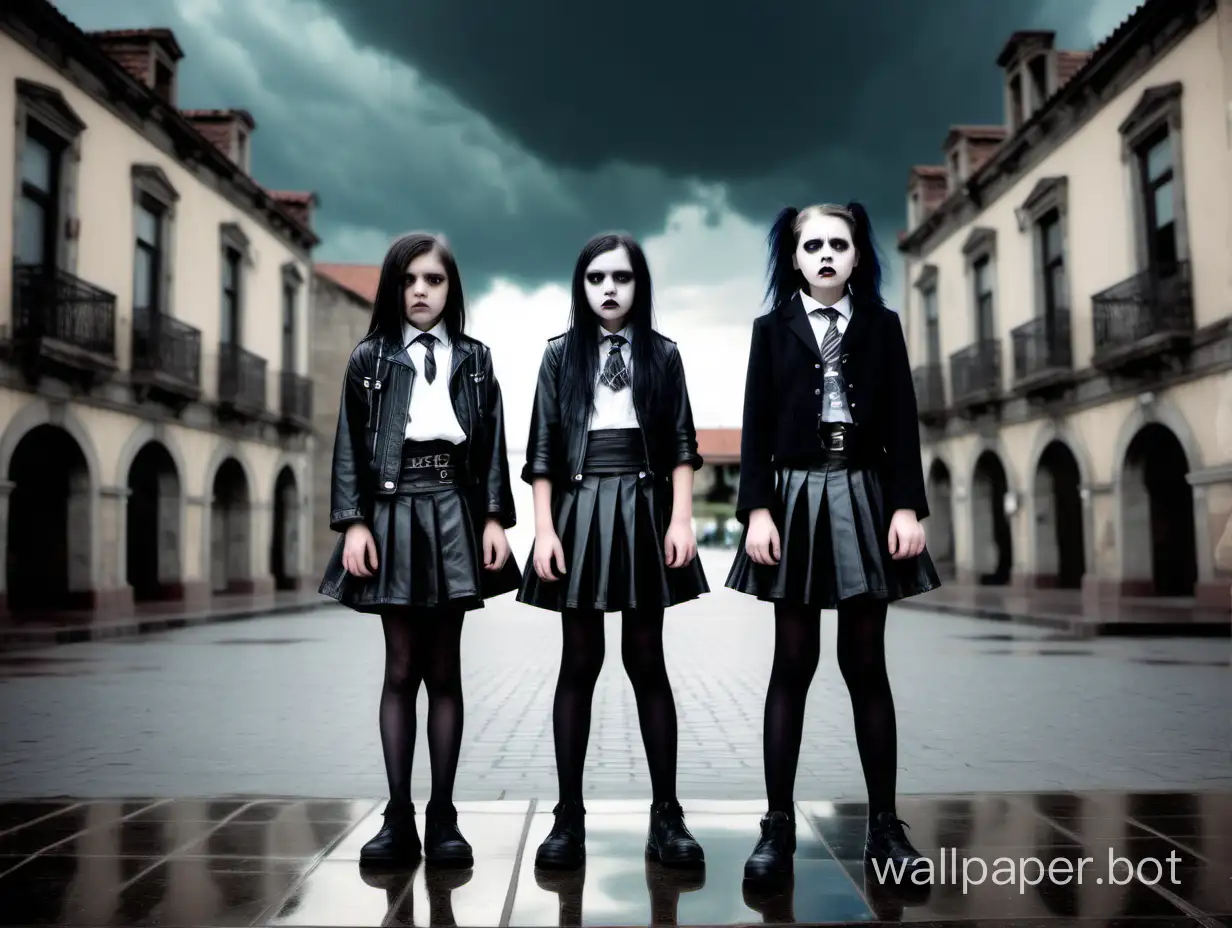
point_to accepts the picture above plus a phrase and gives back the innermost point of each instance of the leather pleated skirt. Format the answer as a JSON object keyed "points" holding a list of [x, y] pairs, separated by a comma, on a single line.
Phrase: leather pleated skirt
{"points": [[833, 543], [429, 546], [611, 526]]}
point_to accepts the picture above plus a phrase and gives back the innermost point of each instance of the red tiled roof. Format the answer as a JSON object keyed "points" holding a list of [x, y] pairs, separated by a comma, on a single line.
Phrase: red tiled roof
{"points": [[929, 170], [359, 279], [982, 133], [220, 116], [1069, 64], [719, 446], [300, 197], [158, 33]]}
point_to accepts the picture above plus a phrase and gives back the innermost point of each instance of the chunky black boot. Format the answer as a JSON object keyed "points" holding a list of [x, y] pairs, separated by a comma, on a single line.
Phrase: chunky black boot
{"points": [[669, 841], [444, 845], [772, 858], [565, 846], [397, 843], [886, 840]]}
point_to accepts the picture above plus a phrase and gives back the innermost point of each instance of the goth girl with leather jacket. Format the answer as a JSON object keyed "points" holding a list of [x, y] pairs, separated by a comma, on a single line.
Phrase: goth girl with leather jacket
{"points": [[611, 456], [421, 493]]}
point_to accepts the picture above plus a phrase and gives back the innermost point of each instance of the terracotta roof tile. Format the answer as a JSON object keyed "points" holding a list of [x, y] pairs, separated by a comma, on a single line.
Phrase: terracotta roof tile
{"points": [[220, 116], [929, 170], [123, 36], [359, 279], [1069, 64], [719, 446]]}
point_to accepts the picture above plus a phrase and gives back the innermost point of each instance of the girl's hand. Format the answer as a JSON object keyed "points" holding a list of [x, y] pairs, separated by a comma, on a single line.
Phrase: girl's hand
{"points": [[547, 550], [680, 544], [762, 541], [359, 551], [906, 535], [495, 545]]}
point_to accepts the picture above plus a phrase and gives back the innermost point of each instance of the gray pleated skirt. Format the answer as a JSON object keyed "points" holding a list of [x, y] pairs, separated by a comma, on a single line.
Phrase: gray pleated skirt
{"points": [[834, 543]]}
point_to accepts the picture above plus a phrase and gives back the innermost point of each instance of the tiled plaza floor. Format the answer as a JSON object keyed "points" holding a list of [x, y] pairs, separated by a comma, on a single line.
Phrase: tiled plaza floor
{"points": [[235, 861]]}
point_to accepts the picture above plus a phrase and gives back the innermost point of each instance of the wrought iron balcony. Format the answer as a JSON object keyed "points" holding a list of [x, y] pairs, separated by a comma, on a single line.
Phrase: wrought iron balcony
{"points": [[62, 321], [1142, 317], [166, 355], [241, 380], [929, 391], [296, 400], [1043, 352], [975, 373]]}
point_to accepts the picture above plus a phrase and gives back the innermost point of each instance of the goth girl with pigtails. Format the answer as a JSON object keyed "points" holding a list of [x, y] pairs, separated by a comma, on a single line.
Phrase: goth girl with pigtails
{"points": [[611, 456], [831, 497]]}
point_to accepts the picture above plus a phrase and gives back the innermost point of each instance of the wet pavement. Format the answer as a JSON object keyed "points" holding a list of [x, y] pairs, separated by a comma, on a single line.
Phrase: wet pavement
{"points": [[233, 861]]}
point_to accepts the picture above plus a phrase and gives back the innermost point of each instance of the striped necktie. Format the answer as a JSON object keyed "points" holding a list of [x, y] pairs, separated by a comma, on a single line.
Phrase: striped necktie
{"points": [[615, 375], [830, 343]]}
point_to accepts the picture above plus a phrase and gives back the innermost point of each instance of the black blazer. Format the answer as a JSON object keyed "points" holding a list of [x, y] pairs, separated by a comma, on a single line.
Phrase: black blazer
{"points": [[376, 393], [557, 449], [783, 399]]}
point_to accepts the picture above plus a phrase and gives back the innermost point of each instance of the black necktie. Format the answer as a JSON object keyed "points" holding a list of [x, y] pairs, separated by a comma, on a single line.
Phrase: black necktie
{"points": [[830, 342], [615, 374], [429, 342]]}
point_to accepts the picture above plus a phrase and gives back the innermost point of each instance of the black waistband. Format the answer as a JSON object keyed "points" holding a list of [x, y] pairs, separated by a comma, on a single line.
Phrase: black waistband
{"points": [[614, 451], [431, 463], [837, 443]]}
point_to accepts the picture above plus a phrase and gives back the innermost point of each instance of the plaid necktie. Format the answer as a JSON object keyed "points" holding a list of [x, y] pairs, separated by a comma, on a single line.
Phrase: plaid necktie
{"points": [[615, 375], [429, 342], [830, 343]]}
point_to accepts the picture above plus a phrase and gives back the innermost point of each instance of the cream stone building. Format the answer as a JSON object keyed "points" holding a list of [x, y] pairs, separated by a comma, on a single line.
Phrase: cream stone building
{"points": [[155, 423], [1068, 307]]}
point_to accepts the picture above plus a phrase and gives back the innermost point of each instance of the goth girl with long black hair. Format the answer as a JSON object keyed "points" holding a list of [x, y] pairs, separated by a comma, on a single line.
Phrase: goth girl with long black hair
{"points": [[421, 493], [611, 456], [831, 496]]}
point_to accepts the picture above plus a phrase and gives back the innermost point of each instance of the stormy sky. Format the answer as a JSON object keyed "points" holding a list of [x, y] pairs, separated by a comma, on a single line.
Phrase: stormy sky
{"points": [[520, 128]]}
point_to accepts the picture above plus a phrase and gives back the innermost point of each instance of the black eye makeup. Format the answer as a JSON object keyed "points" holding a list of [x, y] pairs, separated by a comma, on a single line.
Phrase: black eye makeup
{"points": [[432, 280], [838, 244], [621, 277]]}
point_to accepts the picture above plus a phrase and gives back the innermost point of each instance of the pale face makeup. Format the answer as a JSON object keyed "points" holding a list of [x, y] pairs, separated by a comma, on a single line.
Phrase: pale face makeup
{"points": [[825, 255], [425, 287], [609, 287]]}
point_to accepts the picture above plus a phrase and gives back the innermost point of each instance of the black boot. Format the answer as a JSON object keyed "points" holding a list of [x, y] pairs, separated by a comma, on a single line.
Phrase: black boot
{"points": [[444, 845], [886, 840], [565, 846], [397, 843], [669, 841], [772, 858]]}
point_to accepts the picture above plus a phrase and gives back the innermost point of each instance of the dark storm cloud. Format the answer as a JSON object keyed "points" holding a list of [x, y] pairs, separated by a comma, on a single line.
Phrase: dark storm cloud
{"points": [[521, 128]]}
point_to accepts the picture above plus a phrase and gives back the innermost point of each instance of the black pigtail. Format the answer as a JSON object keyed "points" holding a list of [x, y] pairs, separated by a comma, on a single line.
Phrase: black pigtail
{"points": [[783, 279], [866, 278]]}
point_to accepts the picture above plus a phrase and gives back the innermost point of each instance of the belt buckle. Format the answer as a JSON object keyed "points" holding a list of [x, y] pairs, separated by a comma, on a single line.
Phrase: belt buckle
{"points": [[838, 439], [444, 475]]}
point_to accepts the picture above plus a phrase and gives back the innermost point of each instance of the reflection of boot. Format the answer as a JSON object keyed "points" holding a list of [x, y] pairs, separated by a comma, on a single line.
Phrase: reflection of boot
{"points": [[567, 884], [440, 885], [665, 886], [774, 901], [888, 897], [393, 883]]}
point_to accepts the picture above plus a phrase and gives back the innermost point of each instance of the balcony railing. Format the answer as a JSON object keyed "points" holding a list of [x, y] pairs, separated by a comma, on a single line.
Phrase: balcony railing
{"points": [[1043, 351], [241, 379], [1142, 316], [166, 354], [975, 372], [929, 390], [296, 399], [63, 318]]}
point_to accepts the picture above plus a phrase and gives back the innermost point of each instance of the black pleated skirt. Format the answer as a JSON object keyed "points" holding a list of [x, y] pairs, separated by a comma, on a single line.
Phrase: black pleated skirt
{"points": [[612, 526], [833, 543], [429, 545]]}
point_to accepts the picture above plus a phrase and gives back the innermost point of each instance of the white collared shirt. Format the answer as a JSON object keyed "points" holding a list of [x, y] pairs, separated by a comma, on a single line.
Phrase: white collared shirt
{"points": [[431, 416], [834, 398], [614, 410]]}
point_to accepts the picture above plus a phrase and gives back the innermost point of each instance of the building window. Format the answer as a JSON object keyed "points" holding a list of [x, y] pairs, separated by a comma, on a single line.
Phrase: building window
{"points": [[1052, 262], [1037, 73], [291, 283], [235, 248], [1152, 149], [932, 326], [1016, 111], [980, 250], [154, 201], [47, 148]]}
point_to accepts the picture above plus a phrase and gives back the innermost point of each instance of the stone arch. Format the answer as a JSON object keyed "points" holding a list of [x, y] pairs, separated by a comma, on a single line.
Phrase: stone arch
{"points": [[286, 541], [142, 435], [84, 556], [223, 450], [160, 510], [991, 531], [230, 526], [1157, 508], [939, 531], [1048, 568]]}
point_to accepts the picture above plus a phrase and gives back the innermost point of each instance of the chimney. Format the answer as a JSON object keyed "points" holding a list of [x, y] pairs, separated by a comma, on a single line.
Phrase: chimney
{"points": [[926, 190], [151, 56], [966, 149], [230, 131], [297, 203]]}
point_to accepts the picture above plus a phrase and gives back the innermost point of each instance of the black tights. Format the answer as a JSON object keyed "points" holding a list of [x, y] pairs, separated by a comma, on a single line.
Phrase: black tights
{"points": [[422, 645], [861, 660], [641, 648]]}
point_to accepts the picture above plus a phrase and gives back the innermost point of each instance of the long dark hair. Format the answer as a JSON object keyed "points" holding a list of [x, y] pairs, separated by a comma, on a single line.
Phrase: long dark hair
{"points": [[784, 280], [389, 307], [580, 364]]}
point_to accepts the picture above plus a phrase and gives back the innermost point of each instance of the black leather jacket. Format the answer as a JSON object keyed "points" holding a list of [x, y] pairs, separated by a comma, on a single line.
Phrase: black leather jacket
{"points": [[372, 423], [557, 450]]}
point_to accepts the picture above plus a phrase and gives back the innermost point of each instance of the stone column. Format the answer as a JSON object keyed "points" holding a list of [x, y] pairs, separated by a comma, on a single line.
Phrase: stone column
{"points": [[6, 488], [260, 536], [1212, 492], [1103, 576], [196, 558], [111, 589]]}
